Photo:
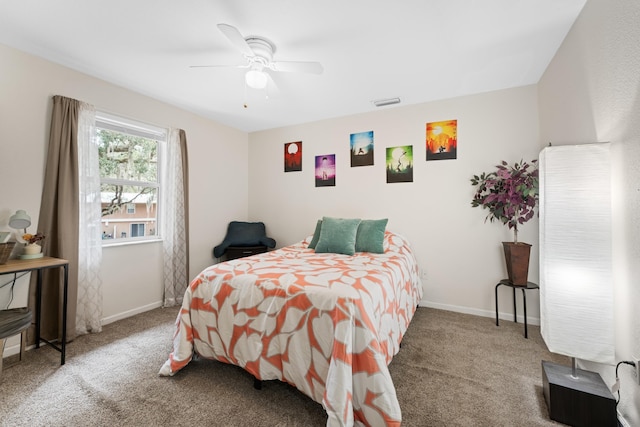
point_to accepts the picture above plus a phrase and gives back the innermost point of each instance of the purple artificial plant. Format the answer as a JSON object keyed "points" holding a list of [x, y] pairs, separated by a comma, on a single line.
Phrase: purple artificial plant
{"points": [[510, 193]]}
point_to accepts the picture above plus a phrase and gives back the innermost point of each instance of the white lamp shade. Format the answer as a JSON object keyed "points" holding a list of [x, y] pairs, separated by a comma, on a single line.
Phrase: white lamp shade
{"points": [[20, 220], [576, 278], [256, 79]]}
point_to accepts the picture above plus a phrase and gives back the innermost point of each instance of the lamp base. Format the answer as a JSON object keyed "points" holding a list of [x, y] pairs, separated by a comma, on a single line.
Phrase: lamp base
{"points": [[584, 400]]}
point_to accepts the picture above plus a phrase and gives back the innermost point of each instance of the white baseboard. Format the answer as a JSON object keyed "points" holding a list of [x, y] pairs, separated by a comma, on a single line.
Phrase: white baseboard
{"points": [[14, 348], [10, 350], [478, 312], [132, 312]]}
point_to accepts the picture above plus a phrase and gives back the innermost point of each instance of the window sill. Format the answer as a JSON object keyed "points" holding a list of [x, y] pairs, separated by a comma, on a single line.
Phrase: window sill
{"points": [[129, 242]]}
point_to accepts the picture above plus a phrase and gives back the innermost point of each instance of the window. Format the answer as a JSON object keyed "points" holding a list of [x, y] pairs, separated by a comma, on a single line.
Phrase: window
{"points": [[129, 154], [137, 230]]}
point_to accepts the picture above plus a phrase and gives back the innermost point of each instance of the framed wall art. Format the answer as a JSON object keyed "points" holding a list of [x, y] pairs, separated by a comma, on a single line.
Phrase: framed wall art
{"points": [[400, 164], [293, 156], [326, 170], [361, 145], [442, 140]]}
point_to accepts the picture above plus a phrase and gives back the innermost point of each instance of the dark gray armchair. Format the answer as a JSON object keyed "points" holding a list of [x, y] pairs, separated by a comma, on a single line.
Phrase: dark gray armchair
{"points": [[244, 234]]}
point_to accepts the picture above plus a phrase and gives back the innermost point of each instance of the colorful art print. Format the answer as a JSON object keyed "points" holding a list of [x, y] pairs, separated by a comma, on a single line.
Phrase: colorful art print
{"points": [[400, 164], [361, 148], [293, 156], [326, 170], [442, 140]]}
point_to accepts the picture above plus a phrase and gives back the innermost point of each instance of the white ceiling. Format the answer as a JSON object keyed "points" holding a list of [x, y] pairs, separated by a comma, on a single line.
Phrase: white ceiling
{"points": [[418, 50]]}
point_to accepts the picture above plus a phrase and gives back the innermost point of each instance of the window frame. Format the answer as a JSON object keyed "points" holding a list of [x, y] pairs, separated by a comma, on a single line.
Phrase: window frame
{"points": [[115, 123]]}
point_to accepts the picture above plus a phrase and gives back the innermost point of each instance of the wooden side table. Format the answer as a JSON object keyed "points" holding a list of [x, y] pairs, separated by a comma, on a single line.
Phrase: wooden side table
{"points": [[37, 265], [524, 288]]}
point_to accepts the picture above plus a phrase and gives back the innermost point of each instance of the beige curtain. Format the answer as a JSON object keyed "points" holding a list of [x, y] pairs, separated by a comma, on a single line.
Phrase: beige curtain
{"points": [[58, 219], [175, 218], [89, 307]]}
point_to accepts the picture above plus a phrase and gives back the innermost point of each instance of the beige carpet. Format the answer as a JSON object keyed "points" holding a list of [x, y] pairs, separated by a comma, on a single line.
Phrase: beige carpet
{"points": [[453, 370]]}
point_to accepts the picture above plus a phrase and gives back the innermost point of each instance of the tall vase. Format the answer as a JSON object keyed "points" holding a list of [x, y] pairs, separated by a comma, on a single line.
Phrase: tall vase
{"points": [[516, 256], [32, 249]]}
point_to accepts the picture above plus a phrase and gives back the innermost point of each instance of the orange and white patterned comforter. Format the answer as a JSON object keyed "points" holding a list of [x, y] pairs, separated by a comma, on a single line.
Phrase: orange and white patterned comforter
{"points": [[328, 324]]}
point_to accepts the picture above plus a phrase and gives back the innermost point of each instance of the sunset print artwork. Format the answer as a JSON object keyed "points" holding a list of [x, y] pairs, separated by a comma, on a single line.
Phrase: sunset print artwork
{"points": [[293, 156], [442, 140]]}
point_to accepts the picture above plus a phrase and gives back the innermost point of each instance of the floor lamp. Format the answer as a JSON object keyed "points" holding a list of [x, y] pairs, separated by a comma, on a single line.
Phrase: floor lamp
{"points": [[576, 286]]}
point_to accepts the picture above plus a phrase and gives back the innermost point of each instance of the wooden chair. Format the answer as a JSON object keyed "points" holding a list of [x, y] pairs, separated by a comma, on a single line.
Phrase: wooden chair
{"points": [[14, 321]]}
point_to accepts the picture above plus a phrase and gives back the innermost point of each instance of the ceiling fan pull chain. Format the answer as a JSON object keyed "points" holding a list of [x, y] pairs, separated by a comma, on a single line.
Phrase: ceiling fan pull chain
{"points": [[244, 104]]}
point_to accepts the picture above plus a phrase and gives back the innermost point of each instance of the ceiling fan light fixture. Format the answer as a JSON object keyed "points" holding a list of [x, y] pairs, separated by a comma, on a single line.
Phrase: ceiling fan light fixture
{"points": [[256, 79]]}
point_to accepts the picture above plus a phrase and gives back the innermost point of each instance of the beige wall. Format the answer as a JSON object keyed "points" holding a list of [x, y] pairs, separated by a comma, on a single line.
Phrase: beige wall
{"points": [[132, 275], [460, 255], [434, 211], [591, 93]]}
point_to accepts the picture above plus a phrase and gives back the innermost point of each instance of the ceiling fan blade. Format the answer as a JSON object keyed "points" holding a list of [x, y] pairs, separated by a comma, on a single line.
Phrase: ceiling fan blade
{"points": [[298, 67], [219, 66], [236, 38]]}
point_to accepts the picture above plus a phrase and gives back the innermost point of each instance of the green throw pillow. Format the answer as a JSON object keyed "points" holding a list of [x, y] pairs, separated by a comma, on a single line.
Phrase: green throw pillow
{"points": [[316, 235], [338, 236], [370, 235]]}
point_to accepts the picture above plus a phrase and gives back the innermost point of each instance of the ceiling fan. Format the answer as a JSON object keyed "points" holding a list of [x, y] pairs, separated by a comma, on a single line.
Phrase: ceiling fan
{"points": [[258, 52]]}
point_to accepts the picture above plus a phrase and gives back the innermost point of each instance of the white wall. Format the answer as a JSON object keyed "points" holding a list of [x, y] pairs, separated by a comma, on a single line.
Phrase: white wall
{"points": [[132, 275], [591, 93], [460, 254]]}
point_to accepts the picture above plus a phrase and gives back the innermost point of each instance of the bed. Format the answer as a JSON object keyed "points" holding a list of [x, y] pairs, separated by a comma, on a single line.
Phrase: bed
{"points": [[327, 323]]}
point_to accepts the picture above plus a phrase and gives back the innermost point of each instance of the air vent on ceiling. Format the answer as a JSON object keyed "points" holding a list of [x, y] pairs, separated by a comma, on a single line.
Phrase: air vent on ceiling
{"points": [[388, 101]]}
